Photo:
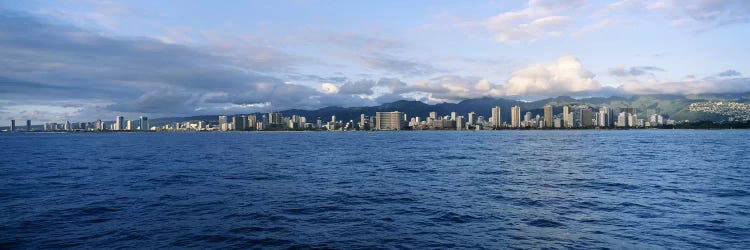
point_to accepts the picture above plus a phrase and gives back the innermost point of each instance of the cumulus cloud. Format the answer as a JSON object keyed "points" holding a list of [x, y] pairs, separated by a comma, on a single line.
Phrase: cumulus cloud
{"points": [[329, 88], [567, 75]]}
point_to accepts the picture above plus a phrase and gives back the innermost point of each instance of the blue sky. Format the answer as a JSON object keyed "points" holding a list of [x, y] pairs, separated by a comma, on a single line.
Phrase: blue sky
{"points": [[91, 59]]}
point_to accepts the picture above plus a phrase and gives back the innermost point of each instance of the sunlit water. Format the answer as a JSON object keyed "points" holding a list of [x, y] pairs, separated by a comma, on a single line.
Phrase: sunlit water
{"points": [[493, 189]]}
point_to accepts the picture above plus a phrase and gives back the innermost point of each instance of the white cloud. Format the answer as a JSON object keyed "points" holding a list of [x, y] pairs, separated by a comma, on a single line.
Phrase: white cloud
{"points": [[567, 75], [540, 19], [329, 88]]}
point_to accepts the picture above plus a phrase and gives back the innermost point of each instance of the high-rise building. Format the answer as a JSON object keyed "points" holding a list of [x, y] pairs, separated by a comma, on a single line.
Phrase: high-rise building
{"points": [[252, 122], [548, 116], [453, 116], [567, 120], [604, 118], [622, 119], [223, 123], [119, 123], [242, 123], [12, 125], [28, 125], [362, 121], [66, 127], [586, 118], [515, 116], [433, 115], [389, 120], [275, 118], [472, 118], [144, 123], [130, 125], [237, 122], [460, 123], [495, 120]]}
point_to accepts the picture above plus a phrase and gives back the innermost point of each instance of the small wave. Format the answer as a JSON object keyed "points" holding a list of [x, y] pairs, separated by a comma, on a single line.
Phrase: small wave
{"points": [[452, 217], [247, 230], [731, 193], [97, 210], [544, 223]]}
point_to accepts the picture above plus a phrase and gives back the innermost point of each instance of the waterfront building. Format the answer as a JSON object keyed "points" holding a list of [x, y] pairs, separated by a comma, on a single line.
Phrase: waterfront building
{"points": [[460, 123], [604, 117], [471, 120], [28, 125], [12, 125], [433, 115], [129, 125], [453, 116], [515, 113], [223, 123], [99, 125], [527, 119], [495, 120], [238, 122], [587, 120], [275, 118], [547, 116], [119, 123], [567, 117], [252, 122], [622, 120], [144, 123], [388, 120]]}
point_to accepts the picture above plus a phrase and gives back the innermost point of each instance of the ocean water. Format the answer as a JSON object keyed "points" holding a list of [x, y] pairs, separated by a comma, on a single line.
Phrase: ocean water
{"points": [[644, 189]]}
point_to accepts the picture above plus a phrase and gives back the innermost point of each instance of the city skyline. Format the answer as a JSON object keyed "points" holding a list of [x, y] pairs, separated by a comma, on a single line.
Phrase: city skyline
{"points": [[573, 116], [82, 60]]}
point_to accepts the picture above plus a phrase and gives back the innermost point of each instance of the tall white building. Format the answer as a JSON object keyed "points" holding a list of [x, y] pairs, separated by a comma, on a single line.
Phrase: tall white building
{"points": [[548, 116], [622, 119], [567, 117], [495, 120], [119, 123], [515, 116], [472, 118], [223, 126]]}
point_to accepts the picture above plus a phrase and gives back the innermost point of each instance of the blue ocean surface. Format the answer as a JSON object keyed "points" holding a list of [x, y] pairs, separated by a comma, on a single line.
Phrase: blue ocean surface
{"points": [[643, 189]]}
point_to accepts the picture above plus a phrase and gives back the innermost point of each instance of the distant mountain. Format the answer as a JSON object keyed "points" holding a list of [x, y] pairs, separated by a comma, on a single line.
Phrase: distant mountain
{"points": [[674, 106]]}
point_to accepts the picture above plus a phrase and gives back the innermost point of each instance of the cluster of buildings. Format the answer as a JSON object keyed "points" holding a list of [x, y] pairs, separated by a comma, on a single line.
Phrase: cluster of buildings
{"points": [[119, 124], [571, 117], [735, 111]]}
